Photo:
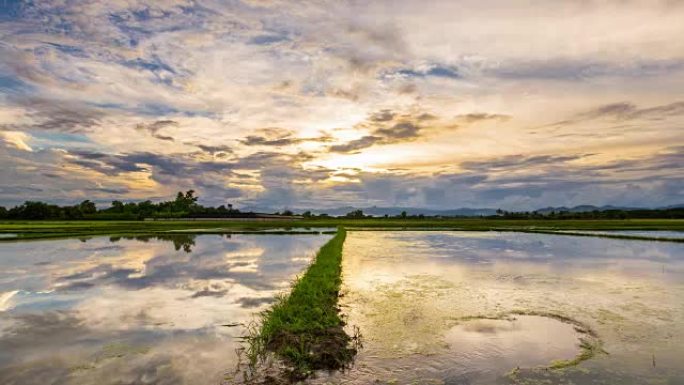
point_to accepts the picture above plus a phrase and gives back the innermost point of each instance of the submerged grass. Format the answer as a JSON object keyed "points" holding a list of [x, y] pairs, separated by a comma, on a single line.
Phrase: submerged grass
{"points": [[304, 329]]}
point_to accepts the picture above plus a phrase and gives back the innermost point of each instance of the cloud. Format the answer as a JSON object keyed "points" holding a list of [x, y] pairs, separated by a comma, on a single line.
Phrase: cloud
{"points": [[386, 127], [382, 116], [267, 39], [357, 144], [518, 162], [481, 116], [137, 98], [16, 139], [214, 150], [432, 70], [154, 128], [279, 137], [577, 70], [254, 140], [625, 112], [401, 130], [629, 111]]}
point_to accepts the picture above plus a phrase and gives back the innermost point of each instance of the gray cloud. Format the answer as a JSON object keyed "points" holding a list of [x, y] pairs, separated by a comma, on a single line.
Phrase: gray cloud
{"points": [[278, 137], [401, 130], [518, 162], [214, 150], [357, 144], [154, 128], [625, 112], [387, 127], [481, 116], [629, 111], [573, 70], [521, 182], [56, 115], [382, 116], [253, 140]]}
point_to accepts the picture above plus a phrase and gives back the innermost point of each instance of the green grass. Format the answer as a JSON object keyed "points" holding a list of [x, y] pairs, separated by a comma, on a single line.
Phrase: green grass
{"points": [[588, 349], [52, 229], [304, 329]]}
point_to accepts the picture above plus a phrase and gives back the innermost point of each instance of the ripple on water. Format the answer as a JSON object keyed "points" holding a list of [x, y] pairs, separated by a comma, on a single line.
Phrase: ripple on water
{"points": [[510, 342]]}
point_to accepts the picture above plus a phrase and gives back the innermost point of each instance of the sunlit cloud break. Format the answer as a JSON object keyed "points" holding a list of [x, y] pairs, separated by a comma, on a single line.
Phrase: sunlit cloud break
{"points": [[322, 104]]}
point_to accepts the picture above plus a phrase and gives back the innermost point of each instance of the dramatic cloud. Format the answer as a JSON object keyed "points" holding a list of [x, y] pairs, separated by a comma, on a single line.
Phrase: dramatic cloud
{"points": [[386, 127], [272, 104]]}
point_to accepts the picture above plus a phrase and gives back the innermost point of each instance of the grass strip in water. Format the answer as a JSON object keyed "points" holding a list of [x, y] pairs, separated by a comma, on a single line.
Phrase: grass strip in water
{"points": [[628, 237], [304, 329]]}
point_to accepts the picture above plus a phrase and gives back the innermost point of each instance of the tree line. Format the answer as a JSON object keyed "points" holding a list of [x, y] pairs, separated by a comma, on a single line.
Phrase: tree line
{"points": [[670, 213], [184, 206]]}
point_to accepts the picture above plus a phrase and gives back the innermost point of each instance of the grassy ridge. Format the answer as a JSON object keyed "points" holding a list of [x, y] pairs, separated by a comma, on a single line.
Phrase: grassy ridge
{"points": [[304, 329]]}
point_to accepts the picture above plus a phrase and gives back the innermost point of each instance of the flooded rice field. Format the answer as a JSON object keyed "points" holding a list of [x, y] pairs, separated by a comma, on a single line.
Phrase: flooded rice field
{"points": [[432, 307], [643, 233], [513, 308], [137, 311]]}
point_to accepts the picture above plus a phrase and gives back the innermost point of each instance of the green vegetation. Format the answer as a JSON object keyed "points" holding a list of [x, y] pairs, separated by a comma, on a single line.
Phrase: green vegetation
{"points": [[51, 229], [183, 206], [304, 329], [672, 213], [588, 349]]}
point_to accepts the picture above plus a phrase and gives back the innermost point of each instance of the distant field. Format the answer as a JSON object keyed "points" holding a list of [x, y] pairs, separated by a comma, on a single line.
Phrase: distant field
{"points": [[50, 229]]}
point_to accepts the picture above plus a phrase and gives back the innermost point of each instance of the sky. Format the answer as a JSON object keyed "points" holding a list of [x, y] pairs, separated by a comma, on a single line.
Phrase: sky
{"points": [[318, 104]]}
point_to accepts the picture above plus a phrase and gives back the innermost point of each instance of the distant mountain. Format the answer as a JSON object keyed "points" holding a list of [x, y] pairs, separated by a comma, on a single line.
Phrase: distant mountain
{"points": [[393, 211], [679, 206], [584, 209], [381, 211], [463, 212]]}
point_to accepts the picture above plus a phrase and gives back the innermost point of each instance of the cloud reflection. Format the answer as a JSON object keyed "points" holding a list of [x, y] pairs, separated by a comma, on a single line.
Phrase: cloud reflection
{"points": [[119, 309]]}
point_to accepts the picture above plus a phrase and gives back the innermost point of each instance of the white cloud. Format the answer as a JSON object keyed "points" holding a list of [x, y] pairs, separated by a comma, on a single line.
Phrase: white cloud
{"points": [[16, 139]]}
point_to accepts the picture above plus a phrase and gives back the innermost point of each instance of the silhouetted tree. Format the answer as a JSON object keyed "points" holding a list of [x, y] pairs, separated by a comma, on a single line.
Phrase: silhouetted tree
{"points": [[356, 214], [117, 207], [87, 207], [31, 210]]}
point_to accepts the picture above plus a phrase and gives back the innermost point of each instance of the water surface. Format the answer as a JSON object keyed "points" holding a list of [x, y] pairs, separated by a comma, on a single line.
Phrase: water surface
{"points": [[137, 311], [639, 233], [444, 308]]}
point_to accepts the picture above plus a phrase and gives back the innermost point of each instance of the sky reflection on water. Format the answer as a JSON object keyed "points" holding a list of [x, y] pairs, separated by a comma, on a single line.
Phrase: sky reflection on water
{"points": [[412, 295], [137, 311]]}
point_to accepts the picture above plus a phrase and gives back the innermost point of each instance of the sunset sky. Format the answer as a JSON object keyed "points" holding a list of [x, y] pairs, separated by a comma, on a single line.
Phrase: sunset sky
{"points": [[318, 104]]}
